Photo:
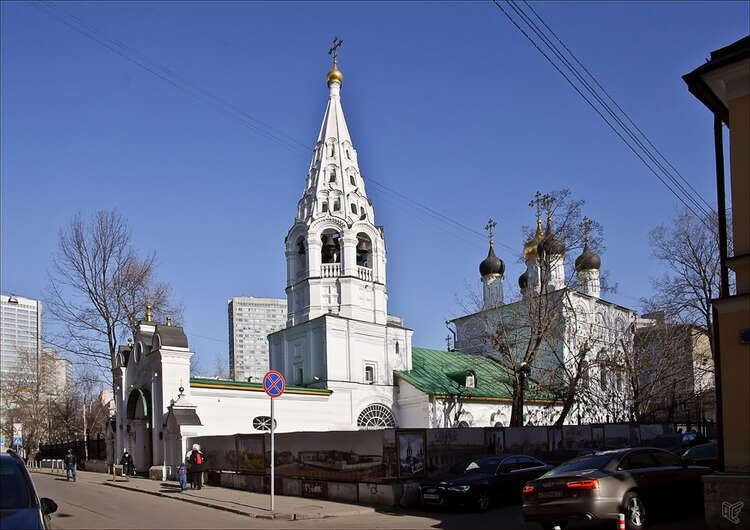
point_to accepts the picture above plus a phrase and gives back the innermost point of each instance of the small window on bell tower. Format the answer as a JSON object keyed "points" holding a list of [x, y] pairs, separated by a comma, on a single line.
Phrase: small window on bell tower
{"points": [[324, 207], [354, 209]]}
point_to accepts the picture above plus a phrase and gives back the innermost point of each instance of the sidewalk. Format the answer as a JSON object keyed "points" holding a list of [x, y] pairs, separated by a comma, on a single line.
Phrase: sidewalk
{"points": [[236, 501]]}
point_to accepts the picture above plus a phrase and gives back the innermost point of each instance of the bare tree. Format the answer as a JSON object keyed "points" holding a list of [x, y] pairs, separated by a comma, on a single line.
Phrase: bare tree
{"points": [[24, 398], [99, 285], [529, 336], [689, 249]]}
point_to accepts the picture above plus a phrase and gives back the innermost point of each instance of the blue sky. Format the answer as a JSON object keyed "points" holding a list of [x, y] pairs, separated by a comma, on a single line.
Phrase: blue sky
{"points": [[446, 102]]}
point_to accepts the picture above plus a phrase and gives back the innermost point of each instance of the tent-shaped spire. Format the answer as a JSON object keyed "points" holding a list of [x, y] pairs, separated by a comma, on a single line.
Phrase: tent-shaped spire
{"points": [[334, 185]]}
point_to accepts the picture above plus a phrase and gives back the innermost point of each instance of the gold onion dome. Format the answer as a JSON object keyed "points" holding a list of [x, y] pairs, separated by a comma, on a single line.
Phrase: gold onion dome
{"points": [[530, 248], [335, 75]]}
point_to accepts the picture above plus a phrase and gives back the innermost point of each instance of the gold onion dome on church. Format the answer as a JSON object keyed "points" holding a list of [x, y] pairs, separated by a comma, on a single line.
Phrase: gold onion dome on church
{"points": [[530, 248], [335, 75]]}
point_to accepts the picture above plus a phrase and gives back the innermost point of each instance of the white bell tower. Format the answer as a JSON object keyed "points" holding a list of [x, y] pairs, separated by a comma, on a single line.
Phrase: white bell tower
{"points": [[335, 253]]}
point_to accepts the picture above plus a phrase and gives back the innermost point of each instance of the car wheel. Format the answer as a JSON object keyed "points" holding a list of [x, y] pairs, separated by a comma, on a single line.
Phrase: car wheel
{"points": [[635, 511], [483, 500]]}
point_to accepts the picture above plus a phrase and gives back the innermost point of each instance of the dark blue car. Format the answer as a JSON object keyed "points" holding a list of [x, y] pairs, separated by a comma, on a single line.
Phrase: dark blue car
{"points": [[19, 505]]}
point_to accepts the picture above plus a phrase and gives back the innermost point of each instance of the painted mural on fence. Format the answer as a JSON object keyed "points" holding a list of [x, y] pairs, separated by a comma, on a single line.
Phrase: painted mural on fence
{"points": [[342, 455], [452, 449], [391, 454]]}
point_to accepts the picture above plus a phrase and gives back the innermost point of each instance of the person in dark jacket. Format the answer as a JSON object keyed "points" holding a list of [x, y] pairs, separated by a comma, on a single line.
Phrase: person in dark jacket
{"points": [[70, 465], [128, 468], [197, 466]]}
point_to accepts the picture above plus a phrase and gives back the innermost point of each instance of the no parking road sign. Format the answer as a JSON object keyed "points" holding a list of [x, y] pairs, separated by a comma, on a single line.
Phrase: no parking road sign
{"points": [[274, 384]]}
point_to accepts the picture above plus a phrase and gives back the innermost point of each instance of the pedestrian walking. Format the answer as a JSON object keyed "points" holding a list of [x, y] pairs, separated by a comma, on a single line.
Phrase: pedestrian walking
{"points": [[182, 476], [197, 466], [70, 465], [128, 468], [188, 465]]}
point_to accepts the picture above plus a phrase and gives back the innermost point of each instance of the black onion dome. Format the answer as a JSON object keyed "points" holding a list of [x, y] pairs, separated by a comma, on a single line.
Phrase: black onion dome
{"points": [[523, 280], [551, 244], [491, 264], [588, 259]]}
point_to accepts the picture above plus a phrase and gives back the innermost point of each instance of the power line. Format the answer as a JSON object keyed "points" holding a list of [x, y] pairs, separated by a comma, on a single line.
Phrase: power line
{"points": [[259, 127], [554, 50], [604, 105], [627, 116]]}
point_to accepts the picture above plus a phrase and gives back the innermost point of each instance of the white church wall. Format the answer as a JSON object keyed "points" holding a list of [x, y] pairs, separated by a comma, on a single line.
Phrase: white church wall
{"points": [[413, 406], [232, 411]]}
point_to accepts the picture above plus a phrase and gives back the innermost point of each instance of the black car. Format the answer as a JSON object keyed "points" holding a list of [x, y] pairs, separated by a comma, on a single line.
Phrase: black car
{"points": [[484, 480], [677, 442], [702, 455], [559, 456], [635, 481], [19, 505]]}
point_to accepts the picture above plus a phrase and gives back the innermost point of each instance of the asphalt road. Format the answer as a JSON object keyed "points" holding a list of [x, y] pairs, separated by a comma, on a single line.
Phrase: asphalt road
{"points": [[88, 503]]}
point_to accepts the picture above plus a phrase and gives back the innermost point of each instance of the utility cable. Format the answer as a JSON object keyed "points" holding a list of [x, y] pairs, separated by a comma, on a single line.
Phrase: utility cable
{"points": [[257, 126], [591, 104], [593, 77]]}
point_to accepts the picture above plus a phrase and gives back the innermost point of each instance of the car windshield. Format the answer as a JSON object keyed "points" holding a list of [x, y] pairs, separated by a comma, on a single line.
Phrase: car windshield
{"points": [[483, 465], [583, 463], [13, 485]]}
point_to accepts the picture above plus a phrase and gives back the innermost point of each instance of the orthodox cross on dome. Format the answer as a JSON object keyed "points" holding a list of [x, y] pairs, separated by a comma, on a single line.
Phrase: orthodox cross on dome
{"points": [[586, 227], [537, 202], [491, 224], [542, 202], [335, 49]]}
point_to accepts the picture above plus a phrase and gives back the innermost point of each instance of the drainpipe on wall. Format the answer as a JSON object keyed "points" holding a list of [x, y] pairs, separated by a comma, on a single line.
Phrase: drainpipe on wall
{"points": [[724, 289]]}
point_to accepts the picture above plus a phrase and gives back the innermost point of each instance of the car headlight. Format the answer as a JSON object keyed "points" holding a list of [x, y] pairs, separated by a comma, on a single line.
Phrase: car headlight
{"points": [[459, 488]]}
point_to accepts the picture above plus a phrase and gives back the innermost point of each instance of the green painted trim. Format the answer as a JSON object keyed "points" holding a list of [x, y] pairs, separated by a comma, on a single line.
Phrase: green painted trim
{"points": [[199, 382]]}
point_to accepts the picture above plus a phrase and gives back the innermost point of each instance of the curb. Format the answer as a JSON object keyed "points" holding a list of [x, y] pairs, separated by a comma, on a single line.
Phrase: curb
{"points": [[283, 516]]}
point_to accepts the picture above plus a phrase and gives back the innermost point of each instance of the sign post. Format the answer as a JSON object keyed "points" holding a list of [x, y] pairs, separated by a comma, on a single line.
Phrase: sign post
{"points": [[17, 435], [274, 385]]}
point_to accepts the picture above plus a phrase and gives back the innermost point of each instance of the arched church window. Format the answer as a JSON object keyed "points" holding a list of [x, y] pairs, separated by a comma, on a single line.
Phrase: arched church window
{"points": [[331, 149], [364, 248], [397, 348], [348, 154], [336, 205], [352, 181], [354, 209], [363, 214], [324, 207], [376, 416], [332, 176]]}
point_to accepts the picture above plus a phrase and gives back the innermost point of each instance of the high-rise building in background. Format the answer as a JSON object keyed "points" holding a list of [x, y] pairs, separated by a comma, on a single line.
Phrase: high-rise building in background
{"points": [[57, 373], [250, 321], [20, 334]]}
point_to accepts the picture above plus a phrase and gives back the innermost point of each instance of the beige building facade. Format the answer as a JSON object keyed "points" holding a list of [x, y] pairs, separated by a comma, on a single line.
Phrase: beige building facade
{"points": [[723, 85]]}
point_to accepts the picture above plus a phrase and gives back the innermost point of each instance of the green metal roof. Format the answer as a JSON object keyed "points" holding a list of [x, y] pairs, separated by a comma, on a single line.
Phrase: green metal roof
{"points": [[444, 373]]}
